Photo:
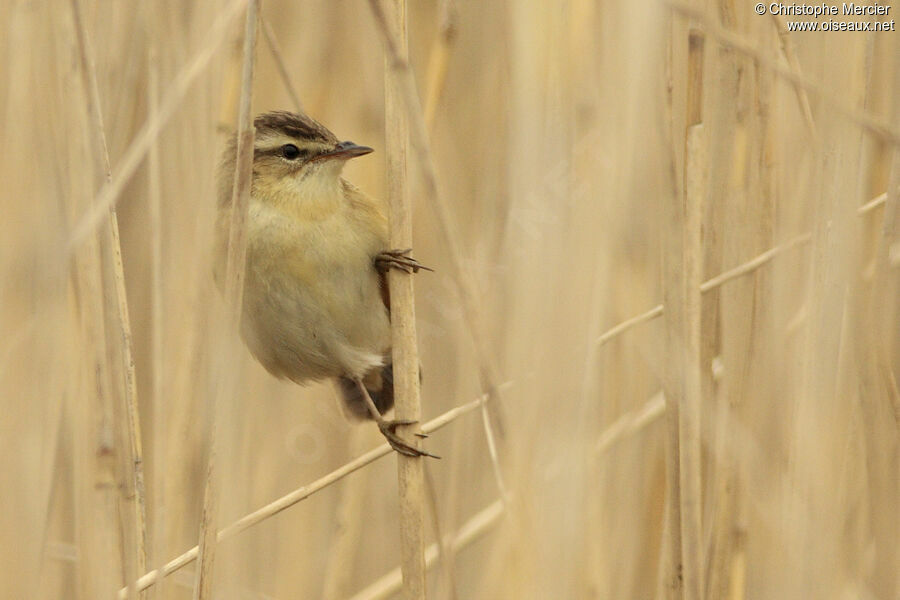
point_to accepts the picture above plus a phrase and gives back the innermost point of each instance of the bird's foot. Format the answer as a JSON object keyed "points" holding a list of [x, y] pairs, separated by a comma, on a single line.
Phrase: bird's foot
{"points": [[400, 260], [388, 430]]}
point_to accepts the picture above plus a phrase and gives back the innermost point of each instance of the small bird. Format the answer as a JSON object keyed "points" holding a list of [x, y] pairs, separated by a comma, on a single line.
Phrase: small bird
{"points": [[316, 303]]}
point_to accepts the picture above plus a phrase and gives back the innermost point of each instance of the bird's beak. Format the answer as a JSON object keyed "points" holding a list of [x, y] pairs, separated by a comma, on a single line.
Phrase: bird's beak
{"points": [[346, 150]]}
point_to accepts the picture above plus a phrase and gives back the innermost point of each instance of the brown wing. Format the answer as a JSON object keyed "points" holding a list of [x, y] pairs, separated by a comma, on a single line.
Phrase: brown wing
{"points": [[371, 212]]}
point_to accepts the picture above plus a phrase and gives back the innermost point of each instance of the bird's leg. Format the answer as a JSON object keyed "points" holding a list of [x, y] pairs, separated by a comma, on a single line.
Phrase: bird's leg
{"points": [[388, 428], [400, 260]]}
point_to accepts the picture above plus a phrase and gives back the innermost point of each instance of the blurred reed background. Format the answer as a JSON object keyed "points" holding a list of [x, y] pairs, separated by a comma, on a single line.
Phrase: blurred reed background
{"points": [[598, 166]]}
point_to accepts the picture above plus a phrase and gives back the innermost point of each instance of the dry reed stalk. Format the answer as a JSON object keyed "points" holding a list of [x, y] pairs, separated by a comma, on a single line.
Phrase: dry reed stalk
{"points": [[390, 583], [160, 432], [137, 151], [747, 325], [787, 48], [630, 423], [721, 279], [410, 471], [755, 263], [881, 404], [872, 125], [817, 406], [888, 254], [451, 510], [97, 527], [234, 288], [134, 493], [627, 425], [725, 84], [889, 257], [671, 581], [880, 400], [617, 330], [684, 330], [859, 541], [240, 198], [478, 524], [288, 500], [877, 201], [860, 361], [489, 373]]}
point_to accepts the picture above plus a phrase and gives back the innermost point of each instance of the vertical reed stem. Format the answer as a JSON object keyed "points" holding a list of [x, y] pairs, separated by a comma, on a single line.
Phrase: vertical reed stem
{"points": [[695, 170], [403, 324], [234, 288], [114, 285], [488, 369], [154, 195], [671, 568], [682, 278]]}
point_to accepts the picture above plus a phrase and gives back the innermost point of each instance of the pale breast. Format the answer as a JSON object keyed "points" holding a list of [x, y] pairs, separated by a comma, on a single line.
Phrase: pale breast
{"points": [[312, 302]]}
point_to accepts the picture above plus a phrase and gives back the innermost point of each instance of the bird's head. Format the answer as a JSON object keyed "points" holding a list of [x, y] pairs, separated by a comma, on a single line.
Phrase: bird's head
{"points": [[290, 151]]}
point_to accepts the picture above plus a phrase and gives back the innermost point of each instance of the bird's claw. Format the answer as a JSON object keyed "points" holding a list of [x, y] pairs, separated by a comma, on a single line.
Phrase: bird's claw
{"points": [[388, 430], [400, 260]]}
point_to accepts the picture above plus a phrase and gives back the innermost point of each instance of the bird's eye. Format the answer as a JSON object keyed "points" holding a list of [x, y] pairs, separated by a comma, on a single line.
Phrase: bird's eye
{"points": [[290, 151]]}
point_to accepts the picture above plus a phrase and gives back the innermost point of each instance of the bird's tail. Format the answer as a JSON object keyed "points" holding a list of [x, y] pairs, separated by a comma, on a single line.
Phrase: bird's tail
{"points": [[380, 385]]}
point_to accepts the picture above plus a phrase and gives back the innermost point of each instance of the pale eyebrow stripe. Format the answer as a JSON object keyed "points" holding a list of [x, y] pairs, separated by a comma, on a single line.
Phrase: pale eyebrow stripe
{"points": [[271, 144]]}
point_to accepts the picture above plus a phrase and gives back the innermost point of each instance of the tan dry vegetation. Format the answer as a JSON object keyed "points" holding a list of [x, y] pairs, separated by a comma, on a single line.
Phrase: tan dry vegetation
{"points": [[639, 223]]}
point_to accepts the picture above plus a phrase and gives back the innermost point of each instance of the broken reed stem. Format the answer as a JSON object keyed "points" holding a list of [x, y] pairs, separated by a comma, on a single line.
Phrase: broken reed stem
{"points": [[288, 500], [729, 39], [234, 288], [403, 320], [787, 48], [134, 155], [685, 326], [135, 470], [489, 372]]}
